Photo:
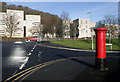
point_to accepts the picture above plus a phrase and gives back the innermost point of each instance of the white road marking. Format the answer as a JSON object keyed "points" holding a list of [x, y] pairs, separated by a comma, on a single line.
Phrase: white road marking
{"points": [[29, 54], [14, 72], [22, 66], [18, 42], [40, 52], [26, 59], [39, 56], [31, 50], [24, 63], [35, 46]]}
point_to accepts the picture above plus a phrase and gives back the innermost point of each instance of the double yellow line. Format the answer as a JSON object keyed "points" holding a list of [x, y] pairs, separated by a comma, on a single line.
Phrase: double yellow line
{"points": [[31, 69]]}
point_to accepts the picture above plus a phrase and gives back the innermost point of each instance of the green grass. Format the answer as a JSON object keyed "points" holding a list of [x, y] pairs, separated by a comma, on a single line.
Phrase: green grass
{"points": [[84, 44]]}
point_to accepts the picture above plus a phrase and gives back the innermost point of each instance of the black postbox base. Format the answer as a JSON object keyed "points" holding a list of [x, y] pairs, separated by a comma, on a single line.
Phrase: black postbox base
{"points": [[100, 64]]}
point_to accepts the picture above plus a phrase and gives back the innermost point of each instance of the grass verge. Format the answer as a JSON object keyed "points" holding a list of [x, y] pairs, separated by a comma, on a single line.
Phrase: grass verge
{"points": [[85, 44]]}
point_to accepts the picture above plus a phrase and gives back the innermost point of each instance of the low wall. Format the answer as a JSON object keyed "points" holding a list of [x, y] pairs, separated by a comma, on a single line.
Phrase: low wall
{"points": [[13, 39], [43, 39]]}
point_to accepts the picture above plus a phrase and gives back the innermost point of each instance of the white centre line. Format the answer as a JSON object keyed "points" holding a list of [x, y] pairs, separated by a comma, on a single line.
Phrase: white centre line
{"points": [[40, 52], [31, 50], [14, 72], [24, 63], [29, 54], [22, 66], [35, 46], [26, 59]]}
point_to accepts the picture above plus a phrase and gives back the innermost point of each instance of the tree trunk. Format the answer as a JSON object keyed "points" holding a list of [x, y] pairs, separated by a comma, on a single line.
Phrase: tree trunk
{"points": [[109, 38], [74, 40], [10, 34]]}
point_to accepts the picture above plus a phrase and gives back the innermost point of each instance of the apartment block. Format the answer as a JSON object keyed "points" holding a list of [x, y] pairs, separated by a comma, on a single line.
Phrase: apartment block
{"points": [[2, 24], [19, 18], [66, 28], [25, 23], [32, 21], [114, 28], [83, 27]]}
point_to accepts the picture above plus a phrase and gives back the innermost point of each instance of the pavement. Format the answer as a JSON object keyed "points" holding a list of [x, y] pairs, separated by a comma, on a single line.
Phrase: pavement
{"points": [[52, 45], [70, 68]]}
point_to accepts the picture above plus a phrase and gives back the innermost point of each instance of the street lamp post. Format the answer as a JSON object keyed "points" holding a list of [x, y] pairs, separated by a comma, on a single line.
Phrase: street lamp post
{"points": [[91, 30], [92, 37]]}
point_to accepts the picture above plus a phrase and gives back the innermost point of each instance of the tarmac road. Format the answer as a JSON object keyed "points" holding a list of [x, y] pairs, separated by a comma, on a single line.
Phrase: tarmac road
{"points": [[66, 64], [13, 56]]}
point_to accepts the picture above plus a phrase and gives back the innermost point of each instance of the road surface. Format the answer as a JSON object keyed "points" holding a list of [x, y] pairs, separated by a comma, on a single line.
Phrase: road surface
{"points": [[17, 57]]}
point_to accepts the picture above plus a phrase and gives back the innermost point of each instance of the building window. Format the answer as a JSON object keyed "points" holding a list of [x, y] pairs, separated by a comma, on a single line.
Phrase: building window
{"points": [[2, 22], [86, 26], [19, 32], [86, 31], [81, 22], [19, 14], [91, 30], [30, 19], [19, 20], [11, 13], [2, 32], [18, 26], [81, 31], [86, 22]]}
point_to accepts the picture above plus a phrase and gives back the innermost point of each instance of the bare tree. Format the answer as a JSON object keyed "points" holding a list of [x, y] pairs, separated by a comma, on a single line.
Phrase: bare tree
{"points": [[73, 31], [37, 30], [110, 22], [34, 30], [65, 16], [65, 23], [11, 22]]}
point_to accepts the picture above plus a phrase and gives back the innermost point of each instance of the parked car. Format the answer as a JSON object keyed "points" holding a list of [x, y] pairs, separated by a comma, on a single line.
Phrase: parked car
{"points": [[33, 38]]}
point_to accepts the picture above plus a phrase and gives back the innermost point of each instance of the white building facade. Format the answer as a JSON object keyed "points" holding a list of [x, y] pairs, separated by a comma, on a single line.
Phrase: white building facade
{"points": [[19, 17], [83, 27], [66, 28], [32, 21], [2, 24], [22, 29]]}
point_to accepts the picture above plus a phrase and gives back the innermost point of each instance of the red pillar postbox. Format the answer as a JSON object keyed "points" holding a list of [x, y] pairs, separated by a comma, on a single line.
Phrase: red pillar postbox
{"points": [[100, 48]]}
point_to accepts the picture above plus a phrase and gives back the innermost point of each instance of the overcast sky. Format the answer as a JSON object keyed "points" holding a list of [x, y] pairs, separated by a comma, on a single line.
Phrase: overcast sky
{"points": [[75, 9]]}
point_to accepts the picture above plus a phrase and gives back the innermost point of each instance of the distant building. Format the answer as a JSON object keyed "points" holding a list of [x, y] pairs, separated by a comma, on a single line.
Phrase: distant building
{"points": [[22, 29], [115, 29], [27, 22], [32, 21], [119, 16], [2, 24], [19, 16], [83, 27], [66, 28], [51, 35]]}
